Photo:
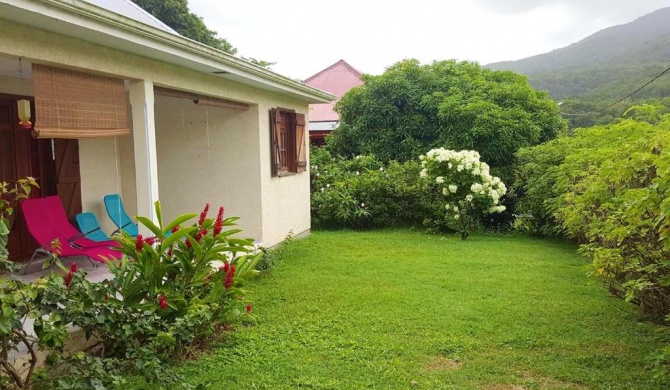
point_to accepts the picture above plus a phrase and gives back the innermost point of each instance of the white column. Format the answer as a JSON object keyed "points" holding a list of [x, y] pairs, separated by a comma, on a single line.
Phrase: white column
{"points": [[144, 139]]}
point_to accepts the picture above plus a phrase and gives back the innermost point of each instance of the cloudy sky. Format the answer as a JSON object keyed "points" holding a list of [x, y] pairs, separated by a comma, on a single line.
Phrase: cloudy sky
{"points": [[306, 36]]}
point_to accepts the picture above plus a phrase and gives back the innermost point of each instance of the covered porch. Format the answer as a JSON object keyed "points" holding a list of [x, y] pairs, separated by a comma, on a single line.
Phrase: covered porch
{"points": [[197, 123]]}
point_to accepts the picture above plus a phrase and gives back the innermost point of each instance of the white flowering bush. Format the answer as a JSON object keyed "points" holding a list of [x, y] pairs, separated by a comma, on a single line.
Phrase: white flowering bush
{"points": [[467, 186]]}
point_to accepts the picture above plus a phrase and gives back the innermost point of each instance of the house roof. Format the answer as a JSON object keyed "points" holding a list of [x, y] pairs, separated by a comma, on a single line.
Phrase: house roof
{"points": [[138, 33], [337, 79], [133, 11]]}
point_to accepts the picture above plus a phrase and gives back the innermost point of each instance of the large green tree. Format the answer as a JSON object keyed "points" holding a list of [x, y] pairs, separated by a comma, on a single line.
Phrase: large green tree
{"points": [[176, 14], [412, 108]]}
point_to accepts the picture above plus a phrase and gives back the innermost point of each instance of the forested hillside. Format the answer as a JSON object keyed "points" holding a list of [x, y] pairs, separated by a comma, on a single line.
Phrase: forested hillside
{"points": [[606, 65]]}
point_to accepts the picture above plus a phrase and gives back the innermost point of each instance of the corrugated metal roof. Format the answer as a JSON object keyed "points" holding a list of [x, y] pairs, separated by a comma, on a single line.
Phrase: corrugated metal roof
{"points": [[133, 11], [337, 79]]}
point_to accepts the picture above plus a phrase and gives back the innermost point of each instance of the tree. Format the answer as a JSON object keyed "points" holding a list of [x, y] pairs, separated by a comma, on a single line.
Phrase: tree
{"points": [[413, 108], [176, 14]]}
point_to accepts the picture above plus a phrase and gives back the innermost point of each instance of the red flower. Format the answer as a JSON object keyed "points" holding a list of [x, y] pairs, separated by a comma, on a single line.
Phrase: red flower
{"points": [[162, 301], [188, 243], [151, 240], [138, 243], [248, 308], [230, 274], [201, 234], [70, 273], [226, 267], [203, 215], [175, 229], [218, 225]]}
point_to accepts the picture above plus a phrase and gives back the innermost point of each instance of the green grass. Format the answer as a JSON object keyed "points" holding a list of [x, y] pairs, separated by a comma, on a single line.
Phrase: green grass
{"points": [[401, 309]]}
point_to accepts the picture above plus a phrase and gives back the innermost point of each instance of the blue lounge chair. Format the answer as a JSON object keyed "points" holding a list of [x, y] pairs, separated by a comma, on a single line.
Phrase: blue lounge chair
{"points": [[117, 213], [89, 226]]}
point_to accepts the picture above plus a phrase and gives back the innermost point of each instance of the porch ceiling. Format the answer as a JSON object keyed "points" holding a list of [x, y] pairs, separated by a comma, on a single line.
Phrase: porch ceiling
{"points": [[82, 20]]}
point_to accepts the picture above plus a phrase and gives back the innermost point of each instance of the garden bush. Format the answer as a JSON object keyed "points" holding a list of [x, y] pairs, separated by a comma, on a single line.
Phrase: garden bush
{"points": [[169, 294], [469, 189], [364, 193], [608, 187]]}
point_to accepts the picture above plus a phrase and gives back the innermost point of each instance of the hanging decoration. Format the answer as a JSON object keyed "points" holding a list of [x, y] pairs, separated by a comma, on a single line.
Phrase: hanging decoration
{"points": [[24, 114], [23, 105]]}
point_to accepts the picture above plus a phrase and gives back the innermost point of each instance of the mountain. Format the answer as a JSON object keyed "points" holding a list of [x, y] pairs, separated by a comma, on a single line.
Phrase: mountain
{"points": [[606, 65]]}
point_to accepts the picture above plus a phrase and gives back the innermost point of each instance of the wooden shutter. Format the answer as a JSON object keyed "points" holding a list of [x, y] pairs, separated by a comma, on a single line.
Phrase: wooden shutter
{"points": [[279, 141], [70, 104], [300, 148]]}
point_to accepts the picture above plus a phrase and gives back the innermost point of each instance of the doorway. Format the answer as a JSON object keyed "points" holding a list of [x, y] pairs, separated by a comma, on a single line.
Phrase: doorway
{"points": [[53, 163]]}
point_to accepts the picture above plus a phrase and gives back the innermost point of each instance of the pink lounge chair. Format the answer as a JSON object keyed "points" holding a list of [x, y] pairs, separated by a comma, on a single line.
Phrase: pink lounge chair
{"points": [[54, 207], [45, 219]]}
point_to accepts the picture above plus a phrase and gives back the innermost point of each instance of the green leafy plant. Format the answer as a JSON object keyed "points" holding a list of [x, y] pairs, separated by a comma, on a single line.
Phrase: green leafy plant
{"points": [[18, 302], [10, 195], [169, 294], [364, 193]]}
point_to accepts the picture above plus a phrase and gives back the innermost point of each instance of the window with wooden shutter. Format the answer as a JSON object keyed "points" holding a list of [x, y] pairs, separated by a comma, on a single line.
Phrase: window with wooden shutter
{"points": [[71, 104], [287, 146]]}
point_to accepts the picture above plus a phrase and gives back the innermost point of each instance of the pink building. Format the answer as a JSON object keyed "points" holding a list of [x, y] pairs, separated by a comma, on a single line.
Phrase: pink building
{"points": [[337, 79]]}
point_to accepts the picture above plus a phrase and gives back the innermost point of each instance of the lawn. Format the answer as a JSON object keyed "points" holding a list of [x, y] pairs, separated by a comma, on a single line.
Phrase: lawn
{"points": [[404, 310]]}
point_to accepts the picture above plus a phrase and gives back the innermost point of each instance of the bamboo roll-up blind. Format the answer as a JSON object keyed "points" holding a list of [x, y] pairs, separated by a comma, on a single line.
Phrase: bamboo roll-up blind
{"points": [[71, 104]]}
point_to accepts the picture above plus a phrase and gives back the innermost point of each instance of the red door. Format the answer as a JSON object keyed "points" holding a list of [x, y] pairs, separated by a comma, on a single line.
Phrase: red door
{"points": [[67, 175], [20, 156]]}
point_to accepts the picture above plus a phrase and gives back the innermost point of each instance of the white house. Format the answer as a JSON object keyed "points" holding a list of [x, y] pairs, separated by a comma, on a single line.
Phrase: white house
{"points": [[123, 104]]}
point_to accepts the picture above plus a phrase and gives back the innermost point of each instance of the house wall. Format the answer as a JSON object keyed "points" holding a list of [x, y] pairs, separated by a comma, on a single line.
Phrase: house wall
{"points": [[270, 207], [15, 86], [100, 175], [209, 155], [285, 199]]}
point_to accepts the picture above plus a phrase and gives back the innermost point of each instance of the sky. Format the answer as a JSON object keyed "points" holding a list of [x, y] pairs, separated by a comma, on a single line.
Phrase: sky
{"points": [[304, 37]]}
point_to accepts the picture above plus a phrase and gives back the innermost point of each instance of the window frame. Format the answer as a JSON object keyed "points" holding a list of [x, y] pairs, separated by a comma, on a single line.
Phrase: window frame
{"points": [[287, 128]]}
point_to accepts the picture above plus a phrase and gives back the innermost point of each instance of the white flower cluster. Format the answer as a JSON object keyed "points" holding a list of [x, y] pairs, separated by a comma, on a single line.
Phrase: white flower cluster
{"points": [[464, 167]]}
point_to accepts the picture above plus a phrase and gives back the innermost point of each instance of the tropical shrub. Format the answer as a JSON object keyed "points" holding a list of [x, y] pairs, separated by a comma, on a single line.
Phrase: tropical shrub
{"points": [[9, 198], [467, 185], [169, 293], [19, 301], [363, 193], [608, 188]]}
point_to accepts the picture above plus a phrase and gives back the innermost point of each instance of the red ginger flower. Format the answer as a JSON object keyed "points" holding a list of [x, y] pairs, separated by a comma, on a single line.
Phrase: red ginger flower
{"points": [[175, 229], [201, 234], [248, 308], [230, 274], [138, 242], [218, 225], [203, 215], [73, 267], [151, 240], [162, 301], [226, 266]]}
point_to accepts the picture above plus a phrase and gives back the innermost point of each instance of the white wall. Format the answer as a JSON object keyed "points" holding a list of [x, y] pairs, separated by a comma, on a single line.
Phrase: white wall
{"points": [[209, 155], [100, 175], [285, 199]]}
